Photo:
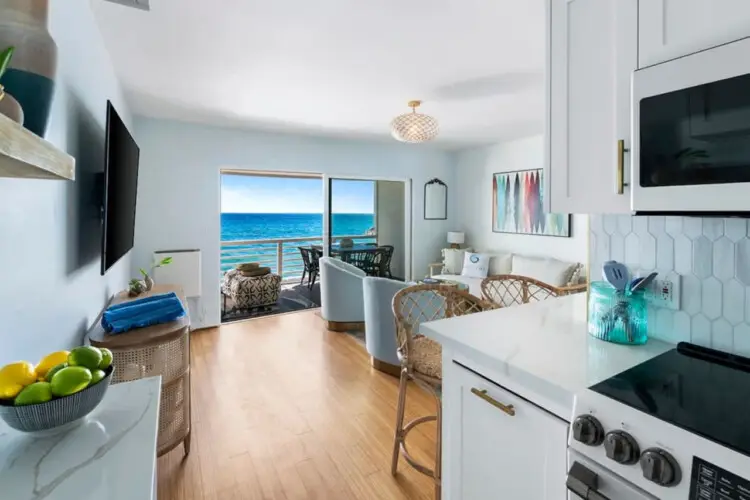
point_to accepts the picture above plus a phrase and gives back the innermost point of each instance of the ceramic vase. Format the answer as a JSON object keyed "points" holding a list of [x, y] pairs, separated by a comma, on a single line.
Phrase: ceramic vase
{"points": [[30, 77], [149, 281], [10, 107]]}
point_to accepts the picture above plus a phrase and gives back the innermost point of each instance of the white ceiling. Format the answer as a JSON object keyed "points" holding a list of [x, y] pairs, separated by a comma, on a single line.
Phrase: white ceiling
{"points": [[334, 67]]}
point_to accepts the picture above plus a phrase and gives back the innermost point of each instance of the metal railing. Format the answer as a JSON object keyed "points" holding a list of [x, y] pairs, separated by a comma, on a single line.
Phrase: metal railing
{"points": [[282, 255]]}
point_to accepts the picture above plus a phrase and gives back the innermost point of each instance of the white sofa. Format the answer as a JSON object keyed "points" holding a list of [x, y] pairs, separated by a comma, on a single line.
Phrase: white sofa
{"points": [[341, 293], [552, 271]]}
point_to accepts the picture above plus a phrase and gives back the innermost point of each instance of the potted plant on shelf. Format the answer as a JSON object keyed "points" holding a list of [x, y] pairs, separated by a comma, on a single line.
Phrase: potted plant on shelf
{"points": [[137, 287], [9, 106]]}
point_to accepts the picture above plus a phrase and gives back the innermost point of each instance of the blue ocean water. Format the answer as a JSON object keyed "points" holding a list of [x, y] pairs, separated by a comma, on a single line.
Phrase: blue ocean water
{"points": [[236, 227], [266, 226]]}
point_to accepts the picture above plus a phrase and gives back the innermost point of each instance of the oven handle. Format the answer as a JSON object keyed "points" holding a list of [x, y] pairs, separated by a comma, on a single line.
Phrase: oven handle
{"points": [[584, 482]]}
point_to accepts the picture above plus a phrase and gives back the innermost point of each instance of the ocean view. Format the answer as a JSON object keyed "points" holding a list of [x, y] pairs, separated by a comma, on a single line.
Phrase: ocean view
{"points": [[255, 226], [264, 226]]}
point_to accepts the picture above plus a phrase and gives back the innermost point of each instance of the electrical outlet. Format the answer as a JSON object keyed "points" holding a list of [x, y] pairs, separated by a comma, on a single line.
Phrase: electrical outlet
{"points": [[665, 293]]}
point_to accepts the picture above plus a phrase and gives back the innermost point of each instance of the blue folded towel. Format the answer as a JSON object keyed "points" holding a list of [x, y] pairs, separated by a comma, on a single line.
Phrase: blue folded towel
{"points": [[138, 313]]}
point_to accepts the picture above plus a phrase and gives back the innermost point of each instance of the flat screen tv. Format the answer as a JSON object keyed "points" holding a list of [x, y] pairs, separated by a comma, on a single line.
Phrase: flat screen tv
{"points": [[120, 187]]}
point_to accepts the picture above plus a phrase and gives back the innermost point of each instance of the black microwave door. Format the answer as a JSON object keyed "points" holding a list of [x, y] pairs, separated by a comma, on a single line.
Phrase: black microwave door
{"points": [[698, 135]]}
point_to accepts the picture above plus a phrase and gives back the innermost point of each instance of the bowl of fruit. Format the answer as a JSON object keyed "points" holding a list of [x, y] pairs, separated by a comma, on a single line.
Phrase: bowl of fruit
{"points": [[61, 389]]}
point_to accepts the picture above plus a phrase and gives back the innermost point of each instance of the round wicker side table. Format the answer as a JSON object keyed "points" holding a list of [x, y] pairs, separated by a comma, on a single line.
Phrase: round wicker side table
{"points": [[159, 350]]}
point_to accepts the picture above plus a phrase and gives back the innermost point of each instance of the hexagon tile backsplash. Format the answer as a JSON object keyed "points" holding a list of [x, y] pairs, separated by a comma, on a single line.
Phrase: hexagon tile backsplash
{"points": [[713, 257]]}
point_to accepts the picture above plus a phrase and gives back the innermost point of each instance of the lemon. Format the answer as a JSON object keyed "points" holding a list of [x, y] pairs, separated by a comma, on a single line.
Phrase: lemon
{"points": [[38, 392], [49, 361], [53, 370], [70, 380], [14, 377], [106, 358], [97, 376], [86, 356]]}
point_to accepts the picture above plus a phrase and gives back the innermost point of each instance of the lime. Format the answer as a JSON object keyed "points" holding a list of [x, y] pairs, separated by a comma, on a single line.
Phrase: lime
{"points": [[86, 356], [54, 370], [70, 380], [96, 376], [38, 392], [106, 358]]}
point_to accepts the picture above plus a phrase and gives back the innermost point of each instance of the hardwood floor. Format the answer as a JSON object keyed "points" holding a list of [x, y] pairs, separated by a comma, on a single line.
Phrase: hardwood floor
{"points": [[284, 409]]}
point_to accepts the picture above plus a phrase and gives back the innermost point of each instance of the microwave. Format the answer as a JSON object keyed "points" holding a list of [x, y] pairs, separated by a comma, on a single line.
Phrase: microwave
{"points": [[691, 134]]}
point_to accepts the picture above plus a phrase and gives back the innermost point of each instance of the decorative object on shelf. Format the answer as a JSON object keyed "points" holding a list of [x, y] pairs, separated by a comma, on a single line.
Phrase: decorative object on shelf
{"points": [[30, 79], [456, 239], [148, 281], [414, 127], [435, 200], [517, 205], [136, 287], [8, 104]]}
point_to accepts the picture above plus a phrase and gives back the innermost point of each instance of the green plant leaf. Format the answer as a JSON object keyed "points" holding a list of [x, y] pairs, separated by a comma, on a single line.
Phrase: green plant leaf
{"points": [[134, 281], [143, 272], [5, 57], [165, 261]]}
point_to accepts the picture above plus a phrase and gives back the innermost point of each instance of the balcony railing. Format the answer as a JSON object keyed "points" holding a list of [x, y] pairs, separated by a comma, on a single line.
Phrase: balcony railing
{"points": [[280, 254]]}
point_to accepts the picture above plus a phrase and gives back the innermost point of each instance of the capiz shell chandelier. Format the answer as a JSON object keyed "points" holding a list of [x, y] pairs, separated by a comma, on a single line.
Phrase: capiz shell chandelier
{"points": [[414, 127]]}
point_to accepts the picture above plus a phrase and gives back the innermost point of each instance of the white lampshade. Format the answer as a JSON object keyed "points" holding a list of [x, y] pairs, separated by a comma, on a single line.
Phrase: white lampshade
{"points": [[456, 237]]}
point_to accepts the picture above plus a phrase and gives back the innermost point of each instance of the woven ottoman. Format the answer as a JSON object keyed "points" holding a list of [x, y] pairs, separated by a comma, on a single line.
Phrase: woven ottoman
{"points": [[247, 292]]}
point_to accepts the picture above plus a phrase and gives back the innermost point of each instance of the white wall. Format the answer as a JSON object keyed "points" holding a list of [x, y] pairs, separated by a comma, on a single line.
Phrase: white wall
{"points": [[389, 220], [179, 190], [50, 287], [474, 169]]}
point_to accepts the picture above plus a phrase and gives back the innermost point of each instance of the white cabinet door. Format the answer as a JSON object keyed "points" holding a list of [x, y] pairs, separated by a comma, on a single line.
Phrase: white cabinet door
{"points": [[490, 454], [591, 54], [674, 28]]}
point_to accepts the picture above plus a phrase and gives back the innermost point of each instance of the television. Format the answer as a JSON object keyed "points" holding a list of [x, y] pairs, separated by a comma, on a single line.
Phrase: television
{"points": [[121, 156]]}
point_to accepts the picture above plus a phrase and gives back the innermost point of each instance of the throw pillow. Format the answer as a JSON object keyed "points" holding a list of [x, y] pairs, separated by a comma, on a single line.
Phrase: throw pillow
{"points": [[501, 263], [551, 271], [476, 265], [453, 260]]}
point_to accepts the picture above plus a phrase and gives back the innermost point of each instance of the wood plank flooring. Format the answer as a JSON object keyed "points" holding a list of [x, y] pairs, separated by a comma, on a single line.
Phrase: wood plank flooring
{"points": [[284, 409]]}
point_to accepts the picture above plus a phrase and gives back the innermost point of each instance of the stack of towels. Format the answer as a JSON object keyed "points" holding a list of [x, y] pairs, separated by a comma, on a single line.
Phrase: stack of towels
{"points": [[138, 313]]}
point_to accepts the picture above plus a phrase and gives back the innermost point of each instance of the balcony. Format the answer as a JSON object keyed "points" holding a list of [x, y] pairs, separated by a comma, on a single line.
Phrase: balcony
{"points": [[280, 254]]}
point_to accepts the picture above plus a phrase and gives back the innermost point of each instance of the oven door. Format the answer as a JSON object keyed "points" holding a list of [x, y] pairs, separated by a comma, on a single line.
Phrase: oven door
{"points": [[691, 133], [588, 480]]}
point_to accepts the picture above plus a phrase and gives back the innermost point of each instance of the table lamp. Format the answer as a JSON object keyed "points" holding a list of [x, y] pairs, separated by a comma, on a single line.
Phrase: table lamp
{"points": [[455, 239]]}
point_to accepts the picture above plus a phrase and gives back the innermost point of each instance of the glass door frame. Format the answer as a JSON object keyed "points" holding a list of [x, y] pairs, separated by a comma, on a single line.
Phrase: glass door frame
{"points": [[408, 227]]}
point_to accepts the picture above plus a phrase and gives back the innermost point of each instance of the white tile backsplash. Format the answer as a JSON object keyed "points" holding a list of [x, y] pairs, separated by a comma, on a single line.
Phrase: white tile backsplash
{"points": [[712, 256]]}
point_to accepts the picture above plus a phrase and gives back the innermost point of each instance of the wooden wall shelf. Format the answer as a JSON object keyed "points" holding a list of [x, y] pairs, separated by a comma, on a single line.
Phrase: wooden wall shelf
{"points": [[26, 155]]}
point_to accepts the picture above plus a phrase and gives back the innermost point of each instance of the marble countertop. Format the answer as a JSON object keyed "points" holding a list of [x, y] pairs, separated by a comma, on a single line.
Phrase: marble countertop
{"points": [[544, 347], [111, 455]]}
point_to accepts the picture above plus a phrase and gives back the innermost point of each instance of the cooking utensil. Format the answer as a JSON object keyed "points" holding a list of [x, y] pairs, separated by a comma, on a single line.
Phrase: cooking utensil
{"points": [[616, 274], [643, 283]]}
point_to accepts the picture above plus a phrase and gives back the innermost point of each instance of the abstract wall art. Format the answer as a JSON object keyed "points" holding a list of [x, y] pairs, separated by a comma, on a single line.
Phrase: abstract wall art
{"points": [[517, 201]]}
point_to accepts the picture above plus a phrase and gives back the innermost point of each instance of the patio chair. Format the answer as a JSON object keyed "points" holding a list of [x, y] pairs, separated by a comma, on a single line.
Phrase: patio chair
{"points": [[311, 261]]}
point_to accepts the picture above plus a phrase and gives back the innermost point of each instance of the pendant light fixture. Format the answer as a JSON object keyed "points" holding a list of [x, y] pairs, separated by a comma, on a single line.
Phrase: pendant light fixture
{"points": [[414, 127]]}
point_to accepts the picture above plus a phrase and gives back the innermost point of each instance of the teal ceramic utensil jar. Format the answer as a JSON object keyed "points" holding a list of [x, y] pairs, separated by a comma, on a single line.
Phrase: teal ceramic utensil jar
{"points": [[617, 316]]}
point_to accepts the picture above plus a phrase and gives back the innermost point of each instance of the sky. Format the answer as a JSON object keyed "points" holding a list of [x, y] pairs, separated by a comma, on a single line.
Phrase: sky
{"points": [[279, 195]]}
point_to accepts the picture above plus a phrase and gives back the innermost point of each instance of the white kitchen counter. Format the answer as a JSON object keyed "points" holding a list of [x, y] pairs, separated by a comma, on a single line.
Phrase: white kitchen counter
{"points": [[541, 351], [111, 455]]}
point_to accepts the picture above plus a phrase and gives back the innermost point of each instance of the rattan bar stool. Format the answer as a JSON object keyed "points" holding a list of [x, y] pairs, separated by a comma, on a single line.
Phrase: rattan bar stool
{"points": [[421, 360]]}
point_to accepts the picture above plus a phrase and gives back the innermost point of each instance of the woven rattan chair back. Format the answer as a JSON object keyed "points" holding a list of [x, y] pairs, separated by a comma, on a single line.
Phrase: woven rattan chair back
{"points": [[510, 289]]}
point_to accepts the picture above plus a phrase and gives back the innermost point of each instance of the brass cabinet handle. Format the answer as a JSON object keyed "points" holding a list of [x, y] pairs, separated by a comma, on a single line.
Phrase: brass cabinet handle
{"points": [[621, 150], [508, 409]]}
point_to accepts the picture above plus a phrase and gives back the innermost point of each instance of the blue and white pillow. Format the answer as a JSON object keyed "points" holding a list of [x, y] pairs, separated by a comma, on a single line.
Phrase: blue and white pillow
{"points": [[476, 265]]}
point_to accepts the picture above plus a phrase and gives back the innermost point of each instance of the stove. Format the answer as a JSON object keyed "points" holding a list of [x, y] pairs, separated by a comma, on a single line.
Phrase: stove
{"points": [[674, 427]]}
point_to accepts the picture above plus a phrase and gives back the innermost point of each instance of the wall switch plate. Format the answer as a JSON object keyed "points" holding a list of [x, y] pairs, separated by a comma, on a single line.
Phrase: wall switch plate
{"points": [[665, 292]]}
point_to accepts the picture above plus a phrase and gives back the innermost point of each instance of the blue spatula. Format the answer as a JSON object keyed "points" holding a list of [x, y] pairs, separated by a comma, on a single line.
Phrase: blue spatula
{"points": [[616, 274]]}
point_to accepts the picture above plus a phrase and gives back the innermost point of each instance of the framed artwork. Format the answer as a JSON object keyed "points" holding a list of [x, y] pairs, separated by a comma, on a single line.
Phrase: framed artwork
{"points": [[517, 205]]}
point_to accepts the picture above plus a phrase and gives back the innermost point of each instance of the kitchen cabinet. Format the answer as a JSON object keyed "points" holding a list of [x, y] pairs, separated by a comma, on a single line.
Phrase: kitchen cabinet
{"points": [[674, 28], [592, 50], [497, 444]]}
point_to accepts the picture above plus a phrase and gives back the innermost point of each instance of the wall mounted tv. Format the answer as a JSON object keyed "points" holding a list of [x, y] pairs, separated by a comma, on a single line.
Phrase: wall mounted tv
{"points": [[120, 188]]}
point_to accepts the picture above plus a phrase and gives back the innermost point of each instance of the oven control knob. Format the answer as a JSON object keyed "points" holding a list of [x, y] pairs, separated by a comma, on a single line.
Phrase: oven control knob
{"points": [[660, 467], [588, 430], [621, 447]]}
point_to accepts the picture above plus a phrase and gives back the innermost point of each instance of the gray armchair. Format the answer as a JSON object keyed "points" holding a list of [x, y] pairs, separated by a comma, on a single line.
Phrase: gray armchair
{"points": [[342, 305], [380, 324]]}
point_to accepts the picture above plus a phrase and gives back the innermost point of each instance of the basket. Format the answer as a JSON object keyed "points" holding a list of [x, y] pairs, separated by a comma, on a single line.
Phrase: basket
{"points": [[57, 412]]}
